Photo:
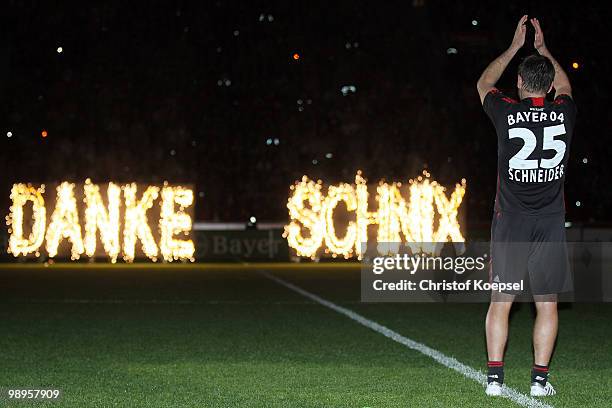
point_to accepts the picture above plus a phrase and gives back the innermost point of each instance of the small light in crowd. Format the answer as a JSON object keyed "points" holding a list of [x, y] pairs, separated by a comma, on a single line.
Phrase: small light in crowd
{"points": [[585, 160], [315, 161], [276, 142], [252, 223], [220, 82], [578, 203], [347, 45], [172, 152], [299, 101], [452, 51], [301, 108], [575, 65], [228, 82], [9, 134], [269, 142], [296, 56], [60, 50], [348, 88], [236, 33], [262, 17], [568, 224], [328, 155], [44, 133], [474, 22], [201, 194]]}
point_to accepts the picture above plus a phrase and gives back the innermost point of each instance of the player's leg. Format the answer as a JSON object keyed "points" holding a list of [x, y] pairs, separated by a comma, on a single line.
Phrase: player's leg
{"points": [[508, 265], [550, 274], [496, 327], [544, 337], [545, 331]]}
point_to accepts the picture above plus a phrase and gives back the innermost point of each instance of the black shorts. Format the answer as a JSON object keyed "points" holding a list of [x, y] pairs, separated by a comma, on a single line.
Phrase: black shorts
{"points": [[531, 249]]}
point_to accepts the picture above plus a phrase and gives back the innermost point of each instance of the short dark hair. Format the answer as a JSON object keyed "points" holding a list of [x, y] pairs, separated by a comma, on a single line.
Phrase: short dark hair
{"points": [[537, 73]]}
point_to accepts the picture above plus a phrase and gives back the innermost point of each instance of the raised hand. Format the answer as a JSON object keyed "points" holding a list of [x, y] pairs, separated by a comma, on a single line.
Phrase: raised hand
{"points": [[496, 68], [538, 42], [519, 34]]}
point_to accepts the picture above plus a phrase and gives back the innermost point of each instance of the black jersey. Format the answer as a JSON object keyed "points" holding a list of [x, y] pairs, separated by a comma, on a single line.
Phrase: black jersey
{"points": [[533, 140]]}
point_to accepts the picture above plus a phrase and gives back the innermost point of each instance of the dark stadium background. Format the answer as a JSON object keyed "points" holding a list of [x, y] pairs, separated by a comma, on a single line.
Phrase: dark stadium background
{"points": [[239, 99], [210, 93]]}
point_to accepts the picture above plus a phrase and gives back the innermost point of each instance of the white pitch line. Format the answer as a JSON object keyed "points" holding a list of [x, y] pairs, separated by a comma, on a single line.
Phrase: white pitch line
{"points": [[447, 361]]}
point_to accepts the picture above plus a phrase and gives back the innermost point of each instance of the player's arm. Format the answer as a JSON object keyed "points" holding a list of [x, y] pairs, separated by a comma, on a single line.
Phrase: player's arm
{"points": [[561, 81], [494, 71]]}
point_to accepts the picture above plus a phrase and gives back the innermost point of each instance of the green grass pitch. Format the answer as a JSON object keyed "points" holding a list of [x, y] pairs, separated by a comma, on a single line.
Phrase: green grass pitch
{"points": [[226, 336]]}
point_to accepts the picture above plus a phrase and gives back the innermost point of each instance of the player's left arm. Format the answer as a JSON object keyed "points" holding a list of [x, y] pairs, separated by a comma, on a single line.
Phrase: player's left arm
{"points": [[561, 82], [494, 71]]}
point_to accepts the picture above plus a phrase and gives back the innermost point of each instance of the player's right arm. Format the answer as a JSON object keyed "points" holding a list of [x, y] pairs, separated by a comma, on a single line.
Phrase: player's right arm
{"points": [[495, 69], [561, 81]]}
